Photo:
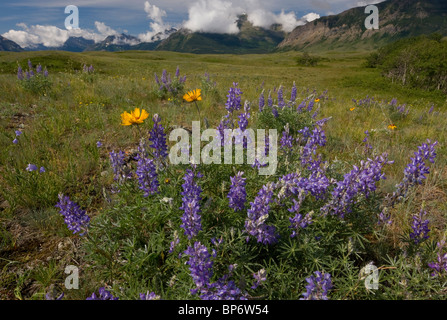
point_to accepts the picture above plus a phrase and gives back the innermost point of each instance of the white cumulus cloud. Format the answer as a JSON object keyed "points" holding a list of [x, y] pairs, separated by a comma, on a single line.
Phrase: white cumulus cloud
{"points": [[157, 26], [217, 16], [220, 16], [52, 36]]}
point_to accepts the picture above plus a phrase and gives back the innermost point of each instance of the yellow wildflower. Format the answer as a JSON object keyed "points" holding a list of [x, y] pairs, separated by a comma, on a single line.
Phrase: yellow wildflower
{"points": [[137, 116], [194, 95], [392, 127]]}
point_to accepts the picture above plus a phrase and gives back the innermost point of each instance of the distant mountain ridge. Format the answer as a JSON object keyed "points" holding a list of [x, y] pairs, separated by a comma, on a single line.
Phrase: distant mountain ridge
{"points": [[9, 45], [397, 19], [345, 31], [249, 39]]}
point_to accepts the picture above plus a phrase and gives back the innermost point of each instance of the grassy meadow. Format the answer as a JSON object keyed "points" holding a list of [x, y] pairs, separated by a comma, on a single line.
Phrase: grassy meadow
{"points": [[126, 248]]}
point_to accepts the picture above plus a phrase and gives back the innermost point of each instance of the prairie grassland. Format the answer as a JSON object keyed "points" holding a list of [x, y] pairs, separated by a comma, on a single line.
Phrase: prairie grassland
{"points": [[60, 130]]}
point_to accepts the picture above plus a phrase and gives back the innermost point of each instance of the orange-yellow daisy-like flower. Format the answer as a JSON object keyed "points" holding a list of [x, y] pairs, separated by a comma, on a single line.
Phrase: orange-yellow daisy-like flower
{"points": [[352, 109], [194, 95], [392, 126], [137, 116], [317, 100]]}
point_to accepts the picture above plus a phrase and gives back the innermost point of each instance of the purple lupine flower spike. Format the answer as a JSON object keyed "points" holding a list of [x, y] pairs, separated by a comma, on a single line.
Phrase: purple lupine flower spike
{"points": [[286, 141], [75, 218], [31, 167], [255, 224], [158, 139], [294, 93], [201, 270], [103, 295], [149, 296], [261, 102], [281, 102], [146, 174], [440, 266], [20, 73], [233, 99], [118, 163], [420, 227], [191, 220], [318, 286], [237, 195]]}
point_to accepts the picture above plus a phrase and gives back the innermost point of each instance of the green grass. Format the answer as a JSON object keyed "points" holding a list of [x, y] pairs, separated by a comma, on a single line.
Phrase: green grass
{"points": [[61, 128]]}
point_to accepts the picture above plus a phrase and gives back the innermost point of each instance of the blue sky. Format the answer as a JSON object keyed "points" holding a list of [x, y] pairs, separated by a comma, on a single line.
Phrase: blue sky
{"points": [[31, 22]]}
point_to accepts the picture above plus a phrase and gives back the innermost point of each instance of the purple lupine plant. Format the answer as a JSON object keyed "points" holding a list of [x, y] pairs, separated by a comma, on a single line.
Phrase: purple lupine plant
{"points": [[431, 109], [420, 227], [237, 195], [318, 286], [293, 184], [257, 215], [367, 147], [166, 83], [440, 266], [243, 124], [261, 101], [310, 106], [301, 106], [118, 163], [243, 117], [259, 276], [200, 266], [221, 129], [75, 218], [416, 170], [103, 295], [286, 141], [30, 72], [149, 296], [270, 100], [359, 181], [233, 99], [384, 218], [20, 73], [158, 139], [280, 94], [31, 167], [49, 296], [293, 93], [201, 270], [299, 221], [316, 137], [190, 204], [146, 173]]}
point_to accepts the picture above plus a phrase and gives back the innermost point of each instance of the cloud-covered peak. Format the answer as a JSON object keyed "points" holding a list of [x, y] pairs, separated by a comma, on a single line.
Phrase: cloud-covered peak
{"points": [[220, 16]]}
